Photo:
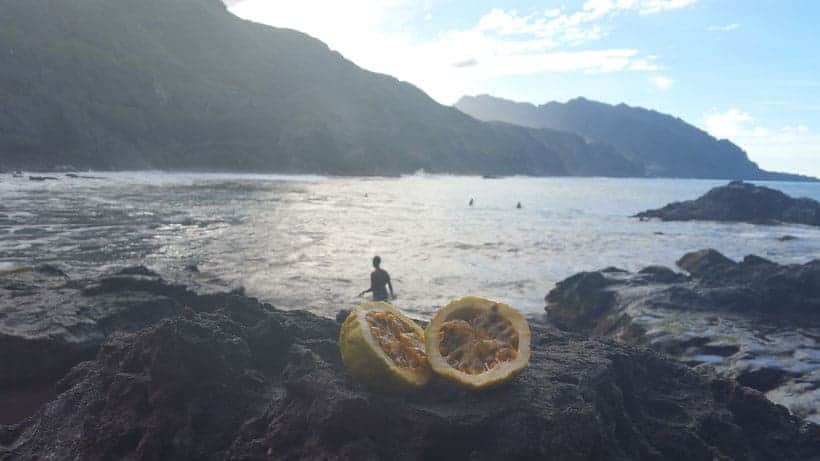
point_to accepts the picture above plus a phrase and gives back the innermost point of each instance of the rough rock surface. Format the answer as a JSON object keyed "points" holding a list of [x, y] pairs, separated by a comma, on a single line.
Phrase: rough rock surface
{"points": [[741, 202], [753, 320], [49, 322], [249, 382]]}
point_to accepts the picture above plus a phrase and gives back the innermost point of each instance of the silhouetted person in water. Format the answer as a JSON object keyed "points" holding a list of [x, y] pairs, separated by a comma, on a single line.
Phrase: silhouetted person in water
{"points": [[379, 279], [471, 202], [518, 206]]}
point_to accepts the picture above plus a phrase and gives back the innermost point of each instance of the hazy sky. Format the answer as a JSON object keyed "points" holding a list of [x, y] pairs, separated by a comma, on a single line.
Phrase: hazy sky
{"points": [[740, 69]]}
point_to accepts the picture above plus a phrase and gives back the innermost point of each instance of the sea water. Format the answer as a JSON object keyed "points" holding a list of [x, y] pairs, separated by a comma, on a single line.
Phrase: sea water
{"points": [[306, 242]]}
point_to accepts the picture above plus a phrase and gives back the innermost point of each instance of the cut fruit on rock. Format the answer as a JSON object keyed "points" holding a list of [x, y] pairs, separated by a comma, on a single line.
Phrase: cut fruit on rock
{"points": [[384, 349], [478, 343]]}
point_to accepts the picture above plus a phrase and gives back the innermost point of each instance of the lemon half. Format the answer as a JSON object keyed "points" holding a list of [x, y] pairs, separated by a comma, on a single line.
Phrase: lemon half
{"points": [[478, 343], [384, 349]]}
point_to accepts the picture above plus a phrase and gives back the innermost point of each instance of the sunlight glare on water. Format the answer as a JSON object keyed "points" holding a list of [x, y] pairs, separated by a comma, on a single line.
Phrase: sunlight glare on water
{"points": [[305, 242]]}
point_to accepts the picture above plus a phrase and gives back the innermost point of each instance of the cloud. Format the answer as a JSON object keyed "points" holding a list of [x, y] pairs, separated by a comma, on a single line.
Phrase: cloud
{"points": [[378, 35], [794, 130], [657, 6], [469, 62], [662, 82], [792, 147], [737, 124], [724, 28], [570, 28], [733, 123]]}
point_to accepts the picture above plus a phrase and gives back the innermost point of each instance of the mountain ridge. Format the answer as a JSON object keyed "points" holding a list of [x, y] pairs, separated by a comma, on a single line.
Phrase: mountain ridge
{"points": [[186, 85], [665, 145]]}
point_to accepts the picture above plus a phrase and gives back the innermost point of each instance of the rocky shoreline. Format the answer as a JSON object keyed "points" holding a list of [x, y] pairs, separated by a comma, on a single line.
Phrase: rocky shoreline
{"points": [[754, 320], [740, 201], [50, 322], [188, 374]]}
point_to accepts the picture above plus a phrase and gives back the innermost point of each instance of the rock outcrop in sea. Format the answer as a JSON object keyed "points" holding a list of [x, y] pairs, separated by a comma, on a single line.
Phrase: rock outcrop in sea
{"points": [[753, 320], [740, 201], [224, 376]]}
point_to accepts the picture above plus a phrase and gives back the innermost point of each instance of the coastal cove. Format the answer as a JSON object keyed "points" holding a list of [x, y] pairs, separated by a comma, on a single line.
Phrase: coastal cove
{"points": [[87, 258], [304, 242], [287, 230]]}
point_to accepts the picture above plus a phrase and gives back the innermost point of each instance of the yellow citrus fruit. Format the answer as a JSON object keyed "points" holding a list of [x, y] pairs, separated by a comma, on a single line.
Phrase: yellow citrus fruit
{"points": [[383, 348], [478, 343]]}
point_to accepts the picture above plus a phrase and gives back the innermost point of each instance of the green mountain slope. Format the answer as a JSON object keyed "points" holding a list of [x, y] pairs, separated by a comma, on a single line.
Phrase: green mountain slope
{"points": [[184, 84], [666, 146]]}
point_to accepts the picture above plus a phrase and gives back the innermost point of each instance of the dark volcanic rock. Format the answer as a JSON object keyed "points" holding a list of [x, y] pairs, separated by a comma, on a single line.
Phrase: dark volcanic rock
{"points": [[78, 176], [741, 202], [763, 379], [49, 323], [661, 274], [716, 283], [248, 382], [42, 178], [700, 263], [587, 293], [754, 320]]}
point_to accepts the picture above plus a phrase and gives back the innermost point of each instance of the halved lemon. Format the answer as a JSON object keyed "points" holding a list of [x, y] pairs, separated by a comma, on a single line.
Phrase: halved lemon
{"points": [[478, 343], [383, 348]]}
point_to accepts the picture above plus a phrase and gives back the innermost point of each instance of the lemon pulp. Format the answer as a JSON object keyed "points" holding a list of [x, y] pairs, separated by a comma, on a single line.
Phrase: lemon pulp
{"points": [[383, 348], [477, 342]]}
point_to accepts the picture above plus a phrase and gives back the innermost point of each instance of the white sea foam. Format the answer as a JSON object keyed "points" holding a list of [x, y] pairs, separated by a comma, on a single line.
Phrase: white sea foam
{"points": [[293, 239]]}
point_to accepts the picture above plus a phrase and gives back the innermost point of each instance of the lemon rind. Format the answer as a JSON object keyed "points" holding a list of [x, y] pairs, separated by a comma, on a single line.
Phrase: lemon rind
{"points": [[498, 375], [365, 359]]}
